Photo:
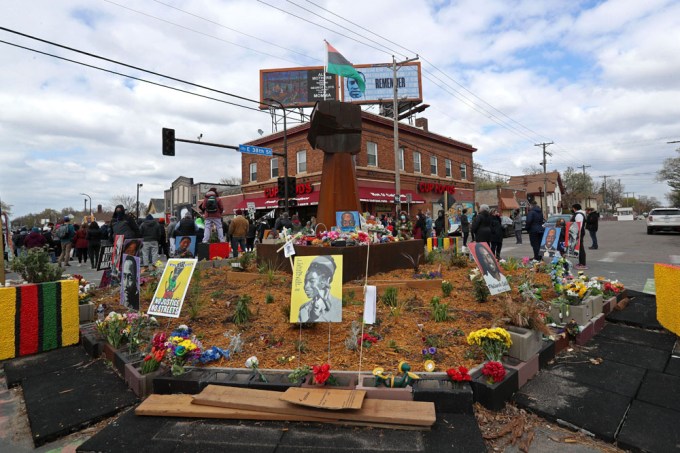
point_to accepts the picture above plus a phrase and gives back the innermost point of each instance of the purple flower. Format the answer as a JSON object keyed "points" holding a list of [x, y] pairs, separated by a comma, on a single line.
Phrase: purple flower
{"points": [[432, 350]]}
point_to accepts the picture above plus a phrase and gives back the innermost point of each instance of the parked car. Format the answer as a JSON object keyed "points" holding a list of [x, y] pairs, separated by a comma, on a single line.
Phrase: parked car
{"points": [[552, 220], [663, 219]]}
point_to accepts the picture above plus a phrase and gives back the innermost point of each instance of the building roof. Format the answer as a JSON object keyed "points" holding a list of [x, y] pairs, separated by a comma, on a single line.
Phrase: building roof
{"points": [[534, 183], [156, 205]]}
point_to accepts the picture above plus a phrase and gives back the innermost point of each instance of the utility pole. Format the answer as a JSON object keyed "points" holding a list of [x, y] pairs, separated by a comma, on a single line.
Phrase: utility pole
{"points": [[395, 114], [604, 191], [583, 167], [545, 175]]}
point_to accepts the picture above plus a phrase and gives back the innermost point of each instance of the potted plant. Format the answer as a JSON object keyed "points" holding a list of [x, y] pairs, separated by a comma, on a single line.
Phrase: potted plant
{"points": [[494, 384], [182, 349], [494, 342], [113, 329], [140, 375], [526, 325], [321, 376]]}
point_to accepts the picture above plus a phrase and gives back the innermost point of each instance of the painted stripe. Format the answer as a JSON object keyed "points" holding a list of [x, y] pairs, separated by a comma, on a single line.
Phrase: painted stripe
{"points": [[28, 338], [7, 320], [68, 310], [611, 257], [17, 321], [40, 318], [675, 259], [49, 316]]}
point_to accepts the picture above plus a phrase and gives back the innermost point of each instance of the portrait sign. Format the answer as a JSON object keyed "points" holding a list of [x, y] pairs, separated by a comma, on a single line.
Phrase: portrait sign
{"points": [[117, 252], [487, 264], [572, 239], [550, 240], [379, 81], [297, 87], [133, 247], [317, 289], [172, 288], [347, 221], [129, 282], [185, 246]]}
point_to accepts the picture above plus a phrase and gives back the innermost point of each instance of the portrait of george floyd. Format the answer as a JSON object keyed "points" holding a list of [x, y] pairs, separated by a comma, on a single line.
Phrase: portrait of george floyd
{"points": [[317, 289], [550, 240], [487, 264], [129, 285], [347, 221]]}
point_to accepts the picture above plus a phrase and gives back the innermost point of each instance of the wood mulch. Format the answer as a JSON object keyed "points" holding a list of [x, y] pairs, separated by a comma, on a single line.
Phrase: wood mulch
{"points": [[274, 340]]}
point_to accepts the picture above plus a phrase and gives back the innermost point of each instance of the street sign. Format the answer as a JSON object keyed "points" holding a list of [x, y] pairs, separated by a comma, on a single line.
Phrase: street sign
{"points": [[251, 209], [397, 198], [249, 149]]}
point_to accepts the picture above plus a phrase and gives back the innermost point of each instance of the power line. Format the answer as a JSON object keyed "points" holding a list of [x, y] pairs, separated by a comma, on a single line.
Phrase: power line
{"points": [[130, 77]]}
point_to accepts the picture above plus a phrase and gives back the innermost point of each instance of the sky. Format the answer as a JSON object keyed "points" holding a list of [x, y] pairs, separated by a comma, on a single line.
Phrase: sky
{"points": [[597, 78]]}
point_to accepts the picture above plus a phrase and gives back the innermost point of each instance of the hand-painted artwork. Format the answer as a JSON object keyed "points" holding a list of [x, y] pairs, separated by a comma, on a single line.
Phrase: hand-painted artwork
{"points": [[487, 264], [317, 289], [130, 281], [172, 288]]}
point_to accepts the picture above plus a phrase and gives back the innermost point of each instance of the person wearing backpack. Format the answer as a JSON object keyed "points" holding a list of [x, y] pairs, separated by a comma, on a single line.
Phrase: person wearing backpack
{"points": [[212, 209], [65, 233]]}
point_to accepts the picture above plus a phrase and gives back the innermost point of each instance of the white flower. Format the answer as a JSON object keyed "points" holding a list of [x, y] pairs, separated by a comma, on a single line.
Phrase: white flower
{"points": [[183, 327], [252, 362]]}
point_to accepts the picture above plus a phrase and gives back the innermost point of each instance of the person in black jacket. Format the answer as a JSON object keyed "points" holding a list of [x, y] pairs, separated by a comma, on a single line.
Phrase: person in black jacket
{"points": [[534, 225], [123, 224], [496, 234], [94, 240], [439, 224], [481, 225], [592, 221], [464, 226]]}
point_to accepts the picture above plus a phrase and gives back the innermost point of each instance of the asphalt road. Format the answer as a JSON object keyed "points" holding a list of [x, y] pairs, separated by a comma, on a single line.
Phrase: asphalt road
{"points": [[625, 252]]}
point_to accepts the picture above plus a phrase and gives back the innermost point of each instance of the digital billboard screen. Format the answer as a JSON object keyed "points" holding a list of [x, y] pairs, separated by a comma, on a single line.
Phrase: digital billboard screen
{"points": [[297, 87]]}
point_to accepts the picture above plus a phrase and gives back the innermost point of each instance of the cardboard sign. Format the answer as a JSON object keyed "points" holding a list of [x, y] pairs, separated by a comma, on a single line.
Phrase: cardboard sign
{"points": [[317, 289], [487, 264], [172, 288], [323, 398], [572, 238], [288, 249], [104, 259]]}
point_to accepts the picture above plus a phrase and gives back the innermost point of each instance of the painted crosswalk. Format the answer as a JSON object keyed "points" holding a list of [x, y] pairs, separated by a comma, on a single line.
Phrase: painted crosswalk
{"points": [[611, 257]]}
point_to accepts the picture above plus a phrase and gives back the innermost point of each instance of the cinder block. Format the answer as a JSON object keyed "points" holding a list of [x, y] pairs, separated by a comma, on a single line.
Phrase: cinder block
{"points": [[446, 396], [525, 369], [598, 323], [587, 332]]}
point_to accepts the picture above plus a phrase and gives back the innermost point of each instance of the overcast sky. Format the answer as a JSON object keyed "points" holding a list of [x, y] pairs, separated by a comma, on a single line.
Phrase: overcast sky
{"points": [[598, 78]]}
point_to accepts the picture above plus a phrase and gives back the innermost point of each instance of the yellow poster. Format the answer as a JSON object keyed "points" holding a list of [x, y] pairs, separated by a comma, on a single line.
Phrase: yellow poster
{"points": [[172, 288], [317, 289]]}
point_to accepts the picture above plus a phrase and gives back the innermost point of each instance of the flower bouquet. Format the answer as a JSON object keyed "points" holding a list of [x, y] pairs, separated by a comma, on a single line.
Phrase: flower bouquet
{"points": [[494, 342], [253, 364], [182, 350], [458, 375], [113, 328], [321, 375], [137, 329], [494, 372], [612, 288], [366, 340], [152, 361]]}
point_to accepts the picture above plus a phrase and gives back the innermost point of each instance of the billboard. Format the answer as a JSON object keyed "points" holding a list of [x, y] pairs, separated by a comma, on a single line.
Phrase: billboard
{"points": [[379, 84], [297, 87]]}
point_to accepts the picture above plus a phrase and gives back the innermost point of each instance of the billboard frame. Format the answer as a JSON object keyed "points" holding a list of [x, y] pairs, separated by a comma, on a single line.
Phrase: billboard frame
{"points": [[390, 99], [264, 105]]}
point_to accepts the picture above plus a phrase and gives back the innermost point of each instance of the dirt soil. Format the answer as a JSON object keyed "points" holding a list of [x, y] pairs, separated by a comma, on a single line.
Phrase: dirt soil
{"points": [[212, 296]]}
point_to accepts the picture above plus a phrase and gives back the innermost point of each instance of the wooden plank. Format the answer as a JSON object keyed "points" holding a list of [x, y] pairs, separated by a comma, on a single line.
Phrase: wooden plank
{"points": [[417, 413], [180, 406], [324, 398]]}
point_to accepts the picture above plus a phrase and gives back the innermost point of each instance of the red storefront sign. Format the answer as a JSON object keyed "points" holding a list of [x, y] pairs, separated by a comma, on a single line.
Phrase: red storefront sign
{"points": [[301, 189], [427, 187]]}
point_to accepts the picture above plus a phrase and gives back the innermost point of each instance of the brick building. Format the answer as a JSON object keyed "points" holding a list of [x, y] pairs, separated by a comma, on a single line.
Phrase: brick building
{"points": [[430, 165]]}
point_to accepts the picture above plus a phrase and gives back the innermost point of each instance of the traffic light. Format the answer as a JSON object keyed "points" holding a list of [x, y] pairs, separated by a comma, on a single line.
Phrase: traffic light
{"points": [[168, 142], [281, 183], [292, 187]]}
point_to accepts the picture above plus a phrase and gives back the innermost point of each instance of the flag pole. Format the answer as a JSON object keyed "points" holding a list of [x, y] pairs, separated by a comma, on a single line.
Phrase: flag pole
{"points": [[325, 67]]}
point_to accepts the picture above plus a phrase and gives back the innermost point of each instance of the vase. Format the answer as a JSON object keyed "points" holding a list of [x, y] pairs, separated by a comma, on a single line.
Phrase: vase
{"points": [[494, 395], [525, 342]]}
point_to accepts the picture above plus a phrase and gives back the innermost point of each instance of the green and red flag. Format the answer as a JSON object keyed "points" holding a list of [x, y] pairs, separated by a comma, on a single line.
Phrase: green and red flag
{"points": [[339, 65]]}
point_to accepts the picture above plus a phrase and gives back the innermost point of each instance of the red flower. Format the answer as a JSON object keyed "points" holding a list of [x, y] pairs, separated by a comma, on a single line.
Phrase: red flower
{"points": [[366, 338], [494, 372], [459, 374], [321, 373]]}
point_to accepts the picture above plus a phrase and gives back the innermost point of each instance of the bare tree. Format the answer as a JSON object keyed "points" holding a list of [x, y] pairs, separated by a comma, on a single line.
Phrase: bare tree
{"points": [[532, 170], [6, 208], [129, 202], [577, 186], [485, 180], [670, 174], [231, 181]]}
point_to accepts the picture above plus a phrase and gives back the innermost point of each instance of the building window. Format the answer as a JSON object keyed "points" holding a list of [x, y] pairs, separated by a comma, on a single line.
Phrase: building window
{"points": [[433, 165], [401, 159], [274, 163], [302, 161], [372, 151], [253, 171], [416, 162], [463, 171], [447, 167], [193, 199]]}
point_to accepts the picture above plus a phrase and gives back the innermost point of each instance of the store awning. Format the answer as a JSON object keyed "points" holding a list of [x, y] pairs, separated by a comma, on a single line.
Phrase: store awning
{"points": [[509, 203], [308, 199], [381, 195]]}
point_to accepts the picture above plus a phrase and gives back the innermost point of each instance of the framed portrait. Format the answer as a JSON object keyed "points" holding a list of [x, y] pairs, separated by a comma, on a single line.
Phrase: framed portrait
{"points": [[551, 239], [316, 295], [129, 282], [347, 221], [488, 266], [185, 247]]}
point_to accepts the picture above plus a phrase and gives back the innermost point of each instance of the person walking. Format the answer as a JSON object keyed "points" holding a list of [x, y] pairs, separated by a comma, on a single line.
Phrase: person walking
{"points": [[496, 243], [580, 217], [94, 242], [534, 226], [80, 243], [592, 221], [65, 233], [151, 235], [517, 226], [238, 228], [212, 210]]}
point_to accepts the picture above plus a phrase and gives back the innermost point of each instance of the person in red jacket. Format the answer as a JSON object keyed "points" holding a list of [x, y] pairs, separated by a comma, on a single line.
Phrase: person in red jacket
{"points": [[35, 239], [80, 241]]}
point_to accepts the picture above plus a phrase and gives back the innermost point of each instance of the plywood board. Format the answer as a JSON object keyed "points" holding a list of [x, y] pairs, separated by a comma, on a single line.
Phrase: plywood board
{"points": [[324, 398], [417, 413], [180, 406]]}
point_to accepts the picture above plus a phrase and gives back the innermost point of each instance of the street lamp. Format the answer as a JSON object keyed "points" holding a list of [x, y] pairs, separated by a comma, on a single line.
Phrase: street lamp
{"points": [[285, 152], [138, 186], [90, 202]]}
